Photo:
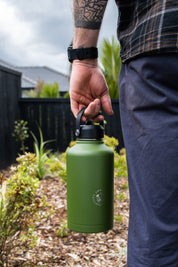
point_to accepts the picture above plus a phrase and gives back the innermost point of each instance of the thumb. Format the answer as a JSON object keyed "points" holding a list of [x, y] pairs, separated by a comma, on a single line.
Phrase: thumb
{"points": [[106, 104]]}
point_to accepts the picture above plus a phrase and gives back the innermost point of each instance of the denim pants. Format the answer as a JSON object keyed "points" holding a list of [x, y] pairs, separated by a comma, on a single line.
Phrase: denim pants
{"points": [[149, 115]]}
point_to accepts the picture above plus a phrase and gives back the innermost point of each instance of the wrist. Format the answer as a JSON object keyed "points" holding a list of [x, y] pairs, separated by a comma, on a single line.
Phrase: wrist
{"points": [[82, 53], [89, 63]]}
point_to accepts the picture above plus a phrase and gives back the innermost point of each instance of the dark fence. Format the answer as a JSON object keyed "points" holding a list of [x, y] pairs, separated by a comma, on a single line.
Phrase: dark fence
{"points": [[9, 112], [57, 123], [53, 116]]}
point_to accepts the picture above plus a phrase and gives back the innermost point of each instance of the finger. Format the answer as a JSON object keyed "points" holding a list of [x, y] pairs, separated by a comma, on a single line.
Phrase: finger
{"points": [[98, 118], [106, 104], [78, 102], [93, 109], [74, 107]]}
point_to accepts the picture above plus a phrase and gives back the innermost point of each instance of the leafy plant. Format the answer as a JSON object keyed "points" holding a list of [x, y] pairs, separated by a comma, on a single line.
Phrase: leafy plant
{"points": [[21, 133], [41, 154], [50, 90], [56, 165], [121, 197], [111, 142], [42, 89], [19, 207], [35, 92], [120, 164], [67, 95], [110, 64], [62, 231], [118, 218], [125, 186]]}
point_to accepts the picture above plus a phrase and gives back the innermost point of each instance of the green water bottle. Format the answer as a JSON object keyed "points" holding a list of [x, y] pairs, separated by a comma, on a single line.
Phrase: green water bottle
{"points": [[89, 180]]}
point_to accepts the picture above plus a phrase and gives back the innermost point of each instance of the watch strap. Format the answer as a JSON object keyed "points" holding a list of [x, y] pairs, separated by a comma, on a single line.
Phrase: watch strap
{"points": [[82, 53]]}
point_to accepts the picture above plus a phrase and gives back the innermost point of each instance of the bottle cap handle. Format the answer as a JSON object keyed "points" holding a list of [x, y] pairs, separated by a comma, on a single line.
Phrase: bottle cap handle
{"points": [[78, 119]]}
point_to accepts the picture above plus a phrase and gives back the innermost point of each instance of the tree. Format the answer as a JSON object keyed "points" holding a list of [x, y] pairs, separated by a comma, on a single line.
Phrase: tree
{"points": [[110, 60]]}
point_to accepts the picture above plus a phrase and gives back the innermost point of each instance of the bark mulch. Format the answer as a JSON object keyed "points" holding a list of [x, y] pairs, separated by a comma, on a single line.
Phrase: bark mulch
{"points": [[58, 246]]}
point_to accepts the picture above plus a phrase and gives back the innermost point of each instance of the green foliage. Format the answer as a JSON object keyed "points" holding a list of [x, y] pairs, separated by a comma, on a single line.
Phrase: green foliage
{"points": [[62, 231], [19, 207], [41, 154], [56, 165], [121, 197], [21, 133], [111, 142], [50, 90], [118, 218], [111, 64], [120, 164], [36, 92], [125, 186], [67, 95]]}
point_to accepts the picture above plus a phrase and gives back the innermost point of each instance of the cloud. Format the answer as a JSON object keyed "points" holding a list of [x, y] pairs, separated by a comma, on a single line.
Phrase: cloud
{"points": [[11, 27], [37, 32], [34, 32]]}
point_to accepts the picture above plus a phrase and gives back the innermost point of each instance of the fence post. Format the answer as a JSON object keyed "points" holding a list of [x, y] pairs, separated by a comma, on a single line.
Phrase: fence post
{"points": [[9, 112]]}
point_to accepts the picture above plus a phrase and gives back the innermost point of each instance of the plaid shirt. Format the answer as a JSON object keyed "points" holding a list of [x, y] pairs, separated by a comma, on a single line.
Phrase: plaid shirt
{"points": [[147, 27]]}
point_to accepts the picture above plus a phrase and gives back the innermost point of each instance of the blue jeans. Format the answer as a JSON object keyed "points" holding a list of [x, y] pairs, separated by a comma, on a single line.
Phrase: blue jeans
{"points": [[149, 115]]}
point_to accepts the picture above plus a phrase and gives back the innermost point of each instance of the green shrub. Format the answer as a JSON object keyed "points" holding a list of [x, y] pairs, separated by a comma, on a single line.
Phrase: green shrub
{"points": [[111, 142], [50, 90], [121, 197], [21, 133], [120, 164], [125, 186], [67, 95], [118, 218], [56, 165], [41, 154], [19, 207], [62, 231]]}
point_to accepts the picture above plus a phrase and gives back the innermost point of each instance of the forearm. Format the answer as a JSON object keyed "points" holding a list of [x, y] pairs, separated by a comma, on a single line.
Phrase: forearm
{"points": [[88, 15], [88, 87]]}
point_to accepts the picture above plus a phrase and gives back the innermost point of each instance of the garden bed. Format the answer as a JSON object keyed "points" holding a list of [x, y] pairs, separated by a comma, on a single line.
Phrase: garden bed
{"points": [[58, 246]]}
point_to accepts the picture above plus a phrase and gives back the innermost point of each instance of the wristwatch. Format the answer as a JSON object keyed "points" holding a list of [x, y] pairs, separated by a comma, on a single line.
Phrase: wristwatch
{"points": [[82, 53]]}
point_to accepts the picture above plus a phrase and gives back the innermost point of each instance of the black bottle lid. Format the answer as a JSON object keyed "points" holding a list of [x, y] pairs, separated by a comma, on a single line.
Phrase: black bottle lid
{"points": [[88, 130]]}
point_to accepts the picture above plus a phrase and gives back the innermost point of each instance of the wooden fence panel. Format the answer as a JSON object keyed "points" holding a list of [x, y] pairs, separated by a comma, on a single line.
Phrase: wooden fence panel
{"points": [[58, 123], [9, 112], [54, 118]]}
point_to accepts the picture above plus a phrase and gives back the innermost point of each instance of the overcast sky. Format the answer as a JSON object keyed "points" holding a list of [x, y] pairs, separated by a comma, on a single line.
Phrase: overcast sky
{"points": [[38, 32]]}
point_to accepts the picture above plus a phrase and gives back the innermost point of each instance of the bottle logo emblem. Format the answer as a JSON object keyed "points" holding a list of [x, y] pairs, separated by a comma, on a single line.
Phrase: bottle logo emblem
{"points": [[98, 197]]}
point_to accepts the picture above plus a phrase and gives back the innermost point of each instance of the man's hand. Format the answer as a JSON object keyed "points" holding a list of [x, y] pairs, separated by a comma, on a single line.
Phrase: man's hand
{"points": [[88, 88]]}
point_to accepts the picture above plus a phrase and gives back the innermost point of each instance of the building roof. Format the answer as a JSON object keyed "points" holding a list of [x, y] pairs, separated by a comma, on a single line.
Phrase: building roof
{"points": [[30, 76]]}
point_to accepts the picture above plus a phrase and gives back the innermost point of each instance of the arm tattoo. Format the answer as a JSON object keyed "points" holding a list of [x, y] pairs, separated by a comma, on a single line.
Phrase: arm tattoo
{"points": [[89, 13]]}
